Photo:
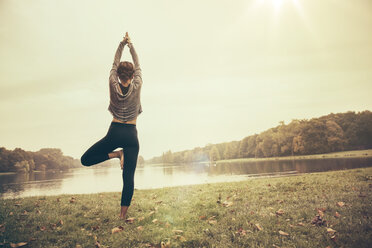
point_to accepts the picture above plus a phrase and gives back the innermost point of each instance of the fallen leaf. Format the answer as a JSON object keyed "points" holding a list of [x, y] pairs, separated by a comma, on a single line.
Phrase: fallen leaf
{"points": [[322, 209], [151, 213], [241, 231], [140, 228], [180, 238], [20, 244], [167, 224], [280, 212], [38, 211], [141, 218], [97, 244], [202, 217], [151, 245], [212, 222], [165, 245], [227, 204], [337, 215], [117, 229], [95, 227], [155, 221], [318, 220], [11, 213], [300, 224], [158, 202], [340, 204], [177, 231], [60, 223], [283, 233], [321, 213], [331, 231], [58, 199], [78, 246], [259, 228], [275, 246], [42, 228], [53, 226], [130, 220]]}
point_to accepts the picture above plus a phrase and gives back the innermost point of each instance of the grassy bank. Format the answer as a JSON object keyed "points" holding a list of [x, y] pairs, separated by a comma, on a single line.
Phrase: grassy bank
{"points": [[331, 209], [344, 154]]}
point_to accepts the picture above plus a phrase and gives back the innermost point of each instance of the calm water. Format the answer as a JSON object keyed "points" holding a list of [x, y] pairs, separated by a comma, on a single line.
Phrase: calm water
{"points": [[93, 180]]}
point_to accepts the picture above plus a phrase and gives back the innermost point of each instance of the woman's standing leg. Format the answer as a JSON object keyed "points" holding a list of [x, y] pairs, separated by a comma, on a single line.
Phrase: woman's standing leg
{"points": [[130, 163]]}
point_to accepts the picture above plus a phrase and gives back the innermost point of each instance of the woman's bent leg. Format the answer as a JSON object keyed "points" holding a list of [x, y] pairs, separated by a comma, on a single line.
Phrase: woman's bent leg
{"points": [[98, 152]]}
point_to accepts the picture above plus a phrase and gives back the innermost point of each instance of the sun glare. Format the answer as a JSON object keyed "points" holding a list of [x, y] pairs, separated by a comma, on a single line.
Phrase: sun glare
{"points": [[277, 4]]}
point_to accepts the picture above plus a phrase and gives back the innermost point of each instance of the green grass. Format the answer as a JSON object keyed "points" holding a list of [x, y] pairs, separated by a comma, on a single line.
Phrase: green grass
{"points": [[344, 154], [201, 220]]}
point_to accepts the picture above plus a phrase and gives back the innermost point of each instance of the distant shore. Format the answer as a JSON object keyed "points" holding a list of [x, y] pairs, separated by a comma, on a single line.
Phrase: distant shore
{"points": [[329, 209], [34, 171], [343, 154]]}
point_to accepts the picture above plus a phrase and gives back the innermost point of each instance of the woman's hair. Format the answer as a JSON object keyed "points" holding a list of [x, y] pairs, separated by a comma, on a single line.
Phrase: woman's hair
{"points": [[125, 71]]}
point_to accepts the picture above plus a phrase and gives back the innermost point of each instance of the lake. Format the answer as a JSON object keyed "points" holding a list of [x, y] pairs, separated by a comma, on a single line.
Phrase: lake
{"points": [[96, 179]]}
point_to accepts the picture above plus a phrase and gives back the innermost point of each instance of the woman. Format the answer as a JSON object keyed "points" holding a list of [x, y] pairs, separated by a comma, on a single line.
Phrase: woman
{"points": [[125, 84]]}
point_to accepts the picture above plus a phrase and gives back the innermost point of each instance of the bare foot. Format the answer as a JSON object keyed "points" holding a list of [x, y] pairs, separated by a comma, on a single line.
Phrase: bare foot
{"points": [[121, 153], [123, 212]]}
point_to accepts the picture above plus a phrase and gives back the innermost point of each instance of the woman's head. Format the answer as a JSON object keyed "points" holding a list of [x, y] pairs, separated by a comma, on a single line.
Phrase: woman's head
{"points": [[125, 71]]}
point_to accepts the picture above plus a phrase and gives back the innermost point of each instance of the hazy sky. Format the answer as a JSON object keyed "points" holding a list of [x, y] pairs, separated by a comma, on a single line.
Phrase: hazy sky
{"points": [[213, 71]]}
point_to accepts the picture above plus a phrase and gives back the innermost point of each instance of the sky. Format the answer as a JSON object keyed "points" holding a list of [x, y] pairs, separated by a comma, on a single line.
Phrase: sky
{"points": [[213, 71]]}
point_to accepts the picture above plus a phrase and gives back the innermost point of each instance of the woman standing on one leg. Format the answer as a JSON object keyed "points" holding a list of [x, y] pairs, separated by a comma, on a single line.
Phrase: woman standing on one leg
{"points": [[125, 84]]}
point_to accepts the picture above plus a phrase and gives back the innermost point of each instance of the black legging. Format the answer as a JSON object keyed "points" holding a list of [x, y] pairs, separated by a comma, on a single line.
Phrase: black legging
{"points": [[119, 135]]}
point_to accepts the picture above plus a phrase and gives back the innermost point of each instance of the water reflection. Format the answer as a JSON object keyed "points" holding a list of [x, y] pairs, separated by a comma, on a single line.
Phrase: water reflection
{"points": [[93, 179]]}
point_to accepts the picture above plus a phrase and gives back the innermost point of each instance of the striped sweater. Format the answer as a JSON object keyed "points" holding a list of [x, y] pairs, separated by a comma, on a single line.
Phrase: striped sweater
{"points": [[127, 106]]}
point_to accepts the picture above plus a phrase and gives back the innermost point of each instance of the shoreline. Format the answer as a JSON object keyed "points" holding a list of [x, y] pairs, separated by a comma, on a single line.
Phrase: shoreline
{"points": [[334, 155], [367, 153]]}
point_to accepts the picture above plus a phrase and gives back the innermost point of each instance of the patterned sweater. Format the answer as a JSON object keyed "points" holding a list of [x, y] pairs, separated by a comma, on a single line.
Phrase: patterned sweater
{"points": [[127, 106]]}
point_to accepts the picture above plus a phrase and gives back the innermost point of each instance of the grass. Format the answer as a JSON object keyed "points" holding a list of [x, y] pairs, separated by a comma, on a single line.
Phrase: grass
{"points": [[210, 215], [344, 154]]}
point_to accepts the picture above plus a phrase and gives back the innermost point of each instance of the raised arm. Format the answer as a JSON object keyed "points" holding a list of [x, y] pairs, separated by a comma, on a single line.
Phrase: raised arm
{"points": [[113, 79], [119, 52], [137, 68], [134, 56]]}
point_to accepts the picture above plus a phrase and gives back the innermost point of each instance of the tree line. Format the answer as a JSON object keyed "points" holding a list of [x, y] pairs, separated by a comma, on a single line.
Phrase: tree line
{"points": [[19, 160], [330, 133]]}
